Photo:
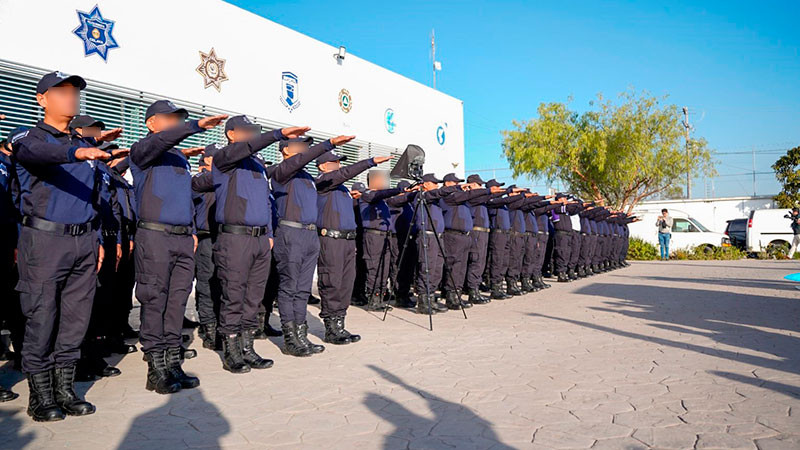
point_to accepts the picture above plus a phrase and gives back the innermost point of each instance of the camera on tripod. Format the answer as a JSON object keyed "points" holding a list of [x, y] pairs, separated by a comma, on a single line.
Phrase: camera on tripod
{"points": [[409, 166]]}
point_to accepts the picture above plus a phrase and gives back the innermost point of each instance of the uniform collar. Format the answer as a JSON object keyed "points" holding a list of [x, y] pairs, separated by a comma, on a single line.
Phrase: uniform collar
{"points": [[52, 130]]}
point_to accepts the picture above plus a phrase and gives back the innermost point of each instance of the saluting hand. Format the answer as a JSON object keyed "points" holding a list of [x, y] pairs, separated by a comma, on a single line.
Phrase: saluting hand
{"points": [[109, 135], [341, 140], [211, 121], [193, 151], [2, 117], [120, 152], [90, 154], [294, 132], [382, 159]]}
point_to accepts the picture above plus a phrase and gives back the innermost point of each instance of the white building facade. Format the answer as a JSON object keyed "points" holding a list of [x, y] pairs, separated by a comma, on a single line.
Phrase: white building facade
{"points": [[213, 57]]}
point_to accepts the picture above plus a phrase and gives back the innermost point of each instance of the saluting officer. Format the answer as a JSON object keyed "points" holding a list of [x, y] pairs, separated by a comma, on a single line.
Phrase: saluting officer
{"points": [[376, 221], [165, 239], [296, 244], [336, 225], [401, 228], [516, 243], [458, 225], [499, 238], [479, 245], [58, 253], [562, 244], [242, 252]]}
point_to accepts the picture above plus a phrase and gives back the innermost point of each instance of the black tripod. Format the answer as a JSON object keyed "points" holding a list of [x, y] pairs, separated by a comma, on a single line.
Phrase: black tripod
{"points": [[421, 202]]}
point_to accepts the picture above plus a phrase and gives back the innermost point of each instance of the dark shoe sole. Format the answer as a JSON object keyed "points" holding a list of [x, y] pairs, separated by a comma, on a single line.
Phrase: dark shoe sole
{"points": [[267, 364], [80, 413], [344, 341], [46, 419], [172, 389], [299, 355], [242, 370]]}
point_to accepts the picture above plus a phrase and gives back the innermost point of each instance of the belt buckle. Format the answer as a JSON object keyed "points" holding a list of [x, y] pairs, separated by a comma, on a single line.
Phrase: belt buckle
{"points": [[255, 231], [75, 229]]}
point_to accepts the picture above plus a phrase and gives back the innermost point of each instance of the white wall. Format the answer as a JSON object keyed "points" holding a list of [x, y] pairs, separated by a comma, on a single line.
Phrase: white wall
{"points": [[712, 213], [159, 43]]}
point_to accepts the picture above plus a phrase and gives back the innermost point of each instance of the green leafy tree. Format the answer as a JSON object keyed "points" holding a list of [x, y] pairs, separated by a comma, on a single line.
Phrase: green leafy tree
{"points": [[623, 152], [788, 174]]}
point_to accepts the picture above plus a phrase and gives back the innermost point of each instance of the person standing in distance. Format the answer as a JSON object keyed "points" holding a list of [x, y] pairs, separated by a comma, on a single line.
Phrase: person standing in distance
{"points": [[165, 239]]}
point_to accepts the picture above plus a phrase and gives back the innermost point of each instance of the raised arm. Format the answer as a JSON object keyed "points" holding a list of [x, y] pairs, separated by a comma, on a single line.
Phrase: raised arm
{"points": [[329, 181], [227, 157], [399, 200], [461, 197], [286, 169], [203, 182], [378, 195], [147, 150]]}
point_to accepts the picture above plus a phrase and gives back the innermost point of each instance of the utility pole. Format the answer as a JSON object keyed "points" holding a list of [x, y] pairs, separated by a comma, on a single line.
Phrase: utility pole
{"points": [[754, 171], [437, 66], [688, 153]]}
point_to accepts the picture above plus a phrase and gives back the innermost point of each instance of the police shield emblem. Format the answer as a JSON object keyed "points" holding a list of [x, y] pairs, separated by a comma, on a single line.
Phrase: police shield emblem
{"points": [[96, 33], [290, 95]]}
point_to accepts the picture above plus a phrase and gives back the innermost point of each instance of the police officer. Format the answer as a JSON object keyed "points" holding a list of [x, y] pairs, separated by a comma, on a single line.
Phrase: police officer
{"points": [[430, 260], [10, 313], [562, 245], [296, 244], [58, 254], [458, 225], [516, 244], [376, 222], [541, 224], [499, 238], [531, 242], [402, 244], [242, 251], [336, 226], [165, 239], [479, 245]]}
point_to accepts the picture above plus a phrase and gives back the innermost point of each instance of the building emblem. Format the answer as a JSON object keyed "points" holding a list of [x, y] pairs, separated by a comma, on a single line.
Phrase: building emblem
{"points": [[440, 134], [212, 68], [290, 95], [345, 101], [388, 120], [96, 33]]}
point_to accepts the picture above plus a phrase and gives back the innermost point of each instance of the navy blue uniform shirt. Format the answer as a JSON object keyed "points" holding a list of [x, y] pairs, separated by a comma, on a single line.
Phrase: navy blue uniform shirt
{"points": [[9, 190], [293, 188], [334, 202], [456, 210], [373, 210]]}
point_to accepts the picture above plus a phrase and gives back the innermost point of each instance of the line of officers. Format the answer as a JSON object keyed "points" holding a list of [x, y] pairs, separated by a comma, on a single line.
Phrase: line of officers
{"points": [[78, 239]]}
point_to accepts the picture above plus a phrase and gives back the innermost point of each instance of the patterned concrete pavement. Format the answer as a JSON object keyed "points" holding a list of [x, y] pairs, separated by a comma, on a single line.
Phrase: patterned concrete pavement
{"points": [[684, 354]]}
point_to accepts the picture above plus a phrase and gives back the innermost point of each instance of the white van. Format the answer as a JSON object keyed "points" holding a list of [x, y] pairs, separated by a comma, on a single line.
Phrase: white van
{"points": [[767, 227], [687, 232]]}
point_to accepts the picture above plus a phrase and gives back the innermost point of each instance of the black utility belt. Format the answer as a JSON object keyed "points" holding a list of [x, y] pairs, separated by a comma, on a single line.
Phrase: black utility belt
{"points": [[518, 233], [110, 233], [564, 231], [182, 230], [432, 233], [540, 232], [483, 229], [337, 234], [202, 234], [379, 232], [498, 230], [72, 229], [302, 226], [243, 230], [463, 233]]}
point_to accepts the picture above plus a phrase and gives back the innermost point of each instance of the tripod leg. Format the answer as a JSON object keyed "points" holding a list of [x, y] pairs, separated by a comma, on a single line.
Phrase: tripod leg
{"points": [[446, 267], [400, 260]]}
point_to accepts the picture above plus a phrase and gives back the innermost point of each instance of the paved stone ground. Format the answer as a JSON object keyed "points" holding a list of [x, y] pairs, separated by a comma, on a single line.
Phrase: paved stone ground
{"points": [[668, 355]]}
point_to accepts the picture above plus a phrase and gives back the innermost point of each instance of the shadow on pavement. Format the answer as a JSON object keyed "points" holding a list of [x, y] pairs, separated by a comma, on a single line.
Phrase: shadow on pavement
{"points": [[787, 389], [187, 419], [452, 425], [737, 282]]}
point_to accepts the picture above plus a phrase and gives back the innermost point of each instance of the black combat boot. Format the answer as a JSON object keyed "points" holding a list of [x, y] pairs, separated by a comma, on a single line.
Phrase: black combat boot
{"points": [[571, 275], [438, 304], [497, 292], [159, 378], [173, 357], [258, 333], [6, 395], [232, 357], [541, 281], [404, 301], [340, 324], [562, 277], [426, 304], [537, 282], [375, 302], [291, 343], [580, 273], [251, 358], [476, 298], [208, 334], [452, 301], [302, 336], [527, 286], [65, 395], [511, 287], [269, 330], [484, 287], [42, 405], [333, 334]]}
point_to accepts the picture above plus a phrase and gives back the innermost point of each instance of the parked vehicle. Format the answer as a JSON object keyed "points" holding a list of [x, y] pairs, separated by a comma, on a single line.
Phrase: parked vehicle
{"points": [[687, 232], [736, 230], [768, 228]]}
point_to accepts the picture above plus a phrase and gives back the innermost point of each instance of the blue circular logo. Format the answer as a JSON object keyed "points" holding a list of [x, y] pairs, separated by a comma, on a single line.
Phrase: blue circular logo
{"points": [[440, 135], [388, 120]]}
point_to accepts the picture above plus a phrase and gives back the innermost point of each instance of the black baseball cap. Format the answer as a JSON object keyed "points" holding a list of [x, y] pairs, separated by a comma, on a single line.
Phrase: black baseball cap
{"points": [[475, 178], [164, 107], [452, 177], [239, 122], [55, 78], [358, 186], [285, 142], [330, 156], [493, 183], [107, 146], [211, 150], [429, 177], [83, 121]]}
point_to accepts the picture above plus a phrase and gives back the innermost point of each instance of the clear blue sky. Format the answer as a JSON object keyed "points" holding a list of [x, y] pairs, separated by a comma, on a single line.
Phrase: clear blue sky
{"points": [[735, 64]]}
